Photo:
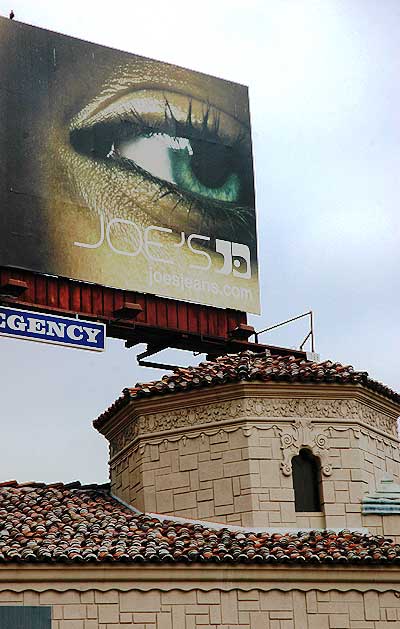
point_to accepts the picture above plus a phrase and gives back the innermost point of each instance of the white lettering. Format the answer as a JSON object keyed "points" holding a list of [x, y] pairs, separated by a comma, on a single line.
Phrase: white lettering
{"points": [[138, 241], [224, 247], [182, 241], [198, 252], [72, 332], [97, 244], [91, 334], [37, 326], [80, 334], [153, 243], [16, 322], [56, 329], [240, 251]]}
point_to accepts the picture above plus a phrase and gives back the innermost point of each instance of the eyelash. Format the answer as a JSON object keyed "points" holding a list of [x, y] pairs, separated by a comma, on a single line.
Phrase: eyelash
{"points": [[133, 125], [139, 127]]}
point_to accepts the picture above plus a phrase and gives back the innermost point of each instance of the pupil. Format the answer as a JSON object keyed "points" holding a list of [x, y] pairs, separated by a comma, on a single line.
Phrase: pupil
{"points": [[211, 163]]}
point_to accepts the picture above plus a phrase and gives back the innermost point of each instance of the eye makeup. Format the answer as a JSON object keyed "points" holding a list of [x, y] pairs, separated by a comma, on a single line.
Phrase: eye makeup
{"points": [[187, 145]]}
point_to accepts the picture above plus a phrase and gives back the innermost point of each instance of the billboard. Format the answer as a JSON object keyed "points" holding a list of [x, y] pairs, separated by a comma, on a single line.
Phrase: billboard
{"points": [[124, 171]]}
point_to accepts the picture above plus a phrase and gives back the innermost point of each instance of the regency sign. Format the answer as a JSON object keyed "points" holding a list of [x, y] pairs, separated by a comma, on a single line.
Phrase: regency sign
{"points": [[48, 328]]}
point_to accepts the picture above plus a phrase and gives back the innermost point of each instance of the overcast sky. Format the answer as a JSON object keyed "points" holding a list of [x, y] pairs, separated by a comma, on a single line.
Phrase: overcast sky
{"points": [[324, 82]]}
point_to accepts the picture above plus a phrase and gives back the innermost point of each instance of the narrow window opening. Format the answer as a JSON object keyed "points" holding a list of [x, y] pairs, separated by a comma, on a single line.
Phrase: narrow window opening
{"points": [[306, 470]]}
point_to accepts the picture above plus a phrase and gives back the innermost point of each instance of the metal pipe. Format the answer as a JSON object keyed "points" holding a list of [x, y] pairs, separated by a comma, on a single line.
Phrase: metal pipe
{"points": [[310, 335], [277, 325], [305, 340], [312, 330]]}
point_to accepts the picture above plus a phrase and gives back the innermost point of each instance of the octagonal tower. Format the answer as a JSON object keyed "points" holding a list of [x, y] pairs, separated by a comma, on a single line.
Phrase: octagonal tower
{"points": [[257, 441]]}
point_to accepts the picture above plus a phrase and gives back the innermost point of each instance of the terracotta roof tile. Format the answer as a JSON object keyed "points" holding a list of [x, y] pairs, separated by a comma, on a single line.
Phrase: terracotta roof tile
{"points": [[249, 366], [57, 523]]}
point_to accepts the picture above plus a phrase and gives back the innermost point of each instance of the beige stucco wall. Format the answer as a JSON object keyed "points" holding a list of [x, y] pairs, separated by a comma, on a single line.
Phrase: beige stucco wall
{"points": [[387, 525], [225, 455], [189, 598]]}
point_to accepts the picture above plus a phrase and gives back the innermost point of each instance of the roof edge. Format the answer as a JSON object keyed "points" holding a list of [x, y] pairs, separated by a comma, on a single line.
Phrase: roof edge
{"points": [[248, 367]]}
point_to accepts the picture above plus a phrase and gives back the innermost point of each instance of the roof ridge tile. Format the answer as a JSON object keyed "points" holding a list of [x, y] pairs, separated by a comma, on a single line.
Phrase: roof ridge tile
{"points": [[244, 366], [74, 523]]}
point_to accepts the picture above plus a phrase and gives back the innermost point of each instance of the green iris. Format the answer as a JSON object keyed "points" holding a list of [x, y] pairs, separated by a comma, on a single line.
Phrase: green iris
{"points": [[185, 178]]}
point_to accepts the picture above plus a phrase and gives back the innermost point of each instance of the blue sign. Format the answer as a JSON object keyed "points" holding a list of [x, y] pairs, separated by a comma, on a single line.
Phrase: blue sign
{"points": [[47, 328]]}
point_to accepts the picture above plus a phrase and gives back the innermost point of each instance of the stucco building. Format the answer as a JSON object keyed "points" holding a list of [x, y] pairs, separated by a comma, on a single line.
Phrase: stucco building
{"points": [[253, 491]]}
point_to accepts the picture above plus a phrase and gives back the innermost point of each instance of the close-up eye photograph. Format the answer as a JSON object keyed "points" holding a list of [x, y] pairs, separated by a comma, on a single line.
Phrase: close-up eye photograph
{"points": [[200, 245], [144, 167]]}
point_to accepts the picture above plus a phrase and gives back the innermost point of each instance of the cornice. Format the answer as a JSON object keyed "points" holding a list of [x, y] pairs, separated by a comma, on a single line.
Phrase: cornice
{"points": [[247, 412], [165, 578], [243, 390]]}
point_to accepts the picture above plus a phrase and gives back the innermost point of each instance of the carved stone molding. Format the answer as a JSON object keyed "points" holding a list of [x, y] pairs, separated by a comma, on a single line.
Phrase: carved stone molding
{"points": [[389, 447], [164, 578], [321, 408], [303, 434], [164, 441], [250, 409]]}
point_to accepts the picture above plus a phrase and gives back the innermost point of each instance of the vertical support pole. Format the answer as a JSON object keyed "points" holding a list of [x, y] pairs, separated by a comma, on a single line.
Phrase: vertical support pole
{"points": [[312, 330]]}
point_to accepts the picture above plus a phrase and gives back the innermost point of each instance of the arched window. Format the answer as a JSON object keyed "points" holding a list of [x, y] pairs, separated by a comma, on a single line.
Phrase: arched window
{"points": [[306, 470]]}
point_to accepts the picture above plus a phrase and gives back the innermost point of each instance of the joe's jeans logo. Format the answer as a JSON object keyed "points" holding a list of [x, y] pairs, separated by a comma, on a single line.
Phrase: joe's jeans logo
{"points": [[235, 255]]}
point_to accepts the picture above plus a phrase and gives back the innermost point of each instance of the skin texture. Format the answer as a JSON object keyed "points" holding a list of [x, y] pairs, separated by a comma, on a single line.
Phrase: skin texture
{"points": [[83, 90]]}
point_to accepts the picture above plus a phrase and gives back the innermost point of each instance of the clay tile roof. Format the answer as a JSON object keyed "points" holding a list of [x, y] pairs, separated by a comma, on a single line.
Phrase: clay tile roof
{"points": [[249, 366], [63, 524]]}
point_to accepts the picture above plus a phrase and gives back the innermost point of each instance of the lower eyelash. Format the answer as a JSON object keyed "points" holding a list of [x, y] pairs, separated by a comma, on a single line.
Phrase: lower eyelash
{"points": [[209, 210]]}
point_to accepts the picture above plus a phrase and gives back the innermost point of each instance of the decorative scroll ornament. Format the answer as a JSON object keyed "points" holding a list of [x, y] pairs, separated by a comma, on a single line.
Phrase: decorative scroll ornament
{"points": [[302, 434], [256, 409]]}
